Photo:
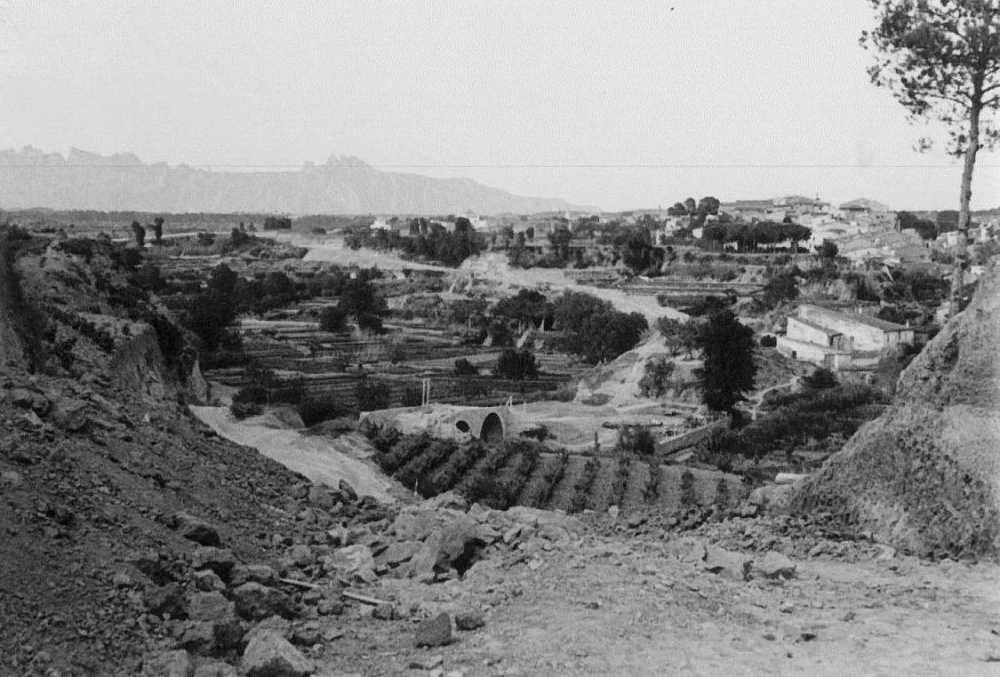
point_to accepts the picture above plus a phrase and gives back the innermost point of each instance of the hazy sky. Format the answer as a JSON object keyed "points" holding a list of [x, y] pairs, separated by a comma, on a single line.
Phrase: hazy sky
{"points": [[619, 104]]}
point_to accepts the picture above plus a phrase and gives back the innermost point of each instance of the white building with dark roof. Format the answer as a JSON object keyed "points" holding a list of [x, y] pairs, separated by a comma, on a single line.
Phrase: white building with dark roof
{"points": [[837, 340]]}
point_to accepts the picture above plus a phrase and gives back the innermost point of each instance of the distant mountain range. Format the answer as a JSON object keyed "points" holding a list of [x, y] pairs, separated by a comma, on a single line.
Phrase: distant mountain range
{"points": [[122, 182]]}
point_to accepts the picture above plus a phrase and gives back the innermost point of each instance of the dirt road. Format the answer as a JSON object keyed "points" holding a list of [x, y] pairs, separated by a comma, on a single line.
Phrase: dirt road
{"points": [[322, 460]]}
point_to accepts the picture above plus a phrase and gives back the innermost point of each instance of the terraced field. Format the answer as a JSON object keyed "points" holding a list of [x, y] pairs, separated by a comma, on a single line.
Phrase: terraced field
{"points": [[519, 473]]}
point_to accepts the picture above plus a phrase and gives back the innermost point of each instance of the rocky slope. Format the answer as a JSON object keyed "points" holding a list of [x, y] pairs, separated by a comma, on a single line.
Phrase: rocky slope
{"points": [[30, 178], [926, 475]]}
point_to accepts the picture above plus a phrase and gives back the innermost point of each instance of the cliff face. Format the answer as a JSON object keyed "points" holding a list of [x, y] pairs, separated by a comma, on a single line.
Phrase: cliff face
{"points": [[78, 312], [30, 178], [11, 349], [925, 476]]}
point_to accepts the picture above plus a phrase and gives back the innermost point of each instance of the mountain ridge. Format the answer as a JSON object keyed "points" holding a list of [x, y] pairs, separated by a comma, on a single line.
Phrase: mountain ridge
{"points": [[31, 178]]}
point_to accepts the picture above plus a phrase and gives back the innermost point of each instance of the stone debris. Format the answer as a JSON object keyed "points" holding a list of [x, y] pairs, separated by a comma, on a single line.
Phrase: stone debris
{"points": [[195, 529], [469, 620], [269, 654], [175, 663], [434, 631], [775, 565]]}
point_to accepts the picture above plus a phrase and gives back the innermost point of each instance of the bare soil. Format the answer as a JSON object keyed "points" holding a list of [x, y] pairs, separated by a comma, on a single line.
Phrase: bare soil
{"points": [[603, 605]]}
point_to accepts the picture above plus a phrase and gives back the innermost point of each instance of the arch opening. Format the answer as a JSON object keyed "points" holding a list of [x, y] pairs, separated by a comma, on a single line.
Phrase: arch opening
{"points": [[492, 431]]}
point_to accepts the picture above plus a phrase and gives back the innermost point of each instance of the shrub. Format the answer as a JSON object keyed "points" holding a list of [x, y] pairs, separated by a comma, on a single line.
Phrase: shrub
{"points": [[383, 438], [689, 499], [581, 490], [318, 409], [820, 379], [636, 439], [656, 379], [242, 410], [465, 368], [539, 432]]}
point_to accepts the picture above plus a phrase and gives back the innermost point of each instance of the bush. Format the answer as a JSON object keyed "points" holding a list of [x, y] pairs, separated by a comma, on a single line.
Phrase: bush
{"points": [[383, 438], [820, 379], [656, 379], [539, 432], [465, 368], [242, 410], [318, 409], [516, 365], [636, 439]]}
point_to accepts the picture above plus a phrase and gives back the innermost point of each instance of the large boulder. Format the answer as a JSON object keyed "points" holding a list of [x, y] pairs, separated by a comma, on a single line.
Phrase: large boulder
{"points": [[195, 529], [269, 654], [213, 625], [925, 476], [255, 602]]}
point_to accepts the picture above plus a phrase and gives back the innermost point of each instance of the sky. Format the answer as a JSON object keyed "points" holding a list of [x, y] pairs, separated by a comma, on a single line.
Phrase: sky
{"points": [[618, 104]]}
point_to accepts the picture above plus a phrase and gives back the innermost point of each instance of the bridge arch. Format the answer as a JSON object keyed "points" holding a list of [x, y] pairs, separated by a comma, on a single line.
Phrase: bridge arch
{"points": [[492, 431]]}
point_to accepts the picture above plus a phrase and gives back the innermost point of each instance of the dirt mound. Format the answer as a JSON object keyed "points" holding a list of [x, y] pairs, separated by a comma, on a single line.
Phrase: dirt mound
{"points": [[617, 383], [926, 475]]}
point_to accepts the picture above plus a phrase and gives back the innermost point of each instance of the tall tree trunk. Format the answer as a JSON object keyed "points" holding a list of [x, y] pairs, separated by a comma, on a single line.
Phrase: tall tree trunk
{"points": [[965, 199]]}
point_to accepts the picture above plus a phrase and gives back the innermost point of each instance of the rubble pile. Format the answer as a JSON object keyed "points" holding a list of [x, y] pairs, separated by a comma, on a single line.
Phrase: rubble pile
{"points": [[212, 614]]}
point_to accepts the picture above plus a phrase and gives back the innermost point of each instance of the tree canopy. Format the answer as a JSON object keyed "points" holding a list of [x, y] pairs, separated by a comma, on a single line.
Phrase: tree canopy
{"points": [[729, 369], [941, 60]]}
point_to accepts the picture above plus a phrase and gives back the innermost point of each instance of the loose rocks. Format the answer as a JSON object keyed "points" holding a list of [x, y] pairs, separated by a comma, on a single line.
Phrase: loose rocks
{"points": [[434, 631], [270, 655]]}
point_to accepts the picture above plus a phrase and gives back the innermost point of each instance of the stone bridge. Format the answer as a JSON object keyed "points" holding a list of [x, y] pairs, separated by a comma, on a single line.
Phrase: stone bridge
{"points": [[490, 424]]}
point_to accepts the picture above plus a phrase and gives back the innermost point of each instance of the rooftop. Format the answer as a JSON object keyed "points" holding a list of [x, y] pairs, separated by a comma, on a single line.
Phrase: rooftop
{"points": [[884, 325], [818, 327], [867, 204]]}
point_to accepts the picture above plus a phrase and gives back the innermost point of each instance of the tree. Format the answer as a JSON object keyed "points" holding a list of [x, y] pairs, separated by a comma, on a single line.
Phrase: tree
{"points": [[516, 365], [606, 335], [560, 239], [333, 320], [529, 307], [941, 59], [223, 280], [679, 336], [781, 287], [359, 298], [926, 228], [140, 234], [656, 378], [158, 230], [573, 308], [828, 250], [729, 368]]}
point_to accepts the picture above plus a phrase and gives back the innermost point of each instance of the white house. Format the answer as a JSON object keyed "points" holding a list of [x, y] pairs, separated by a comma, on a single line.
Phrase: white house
{"points": [[836, 340]]}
